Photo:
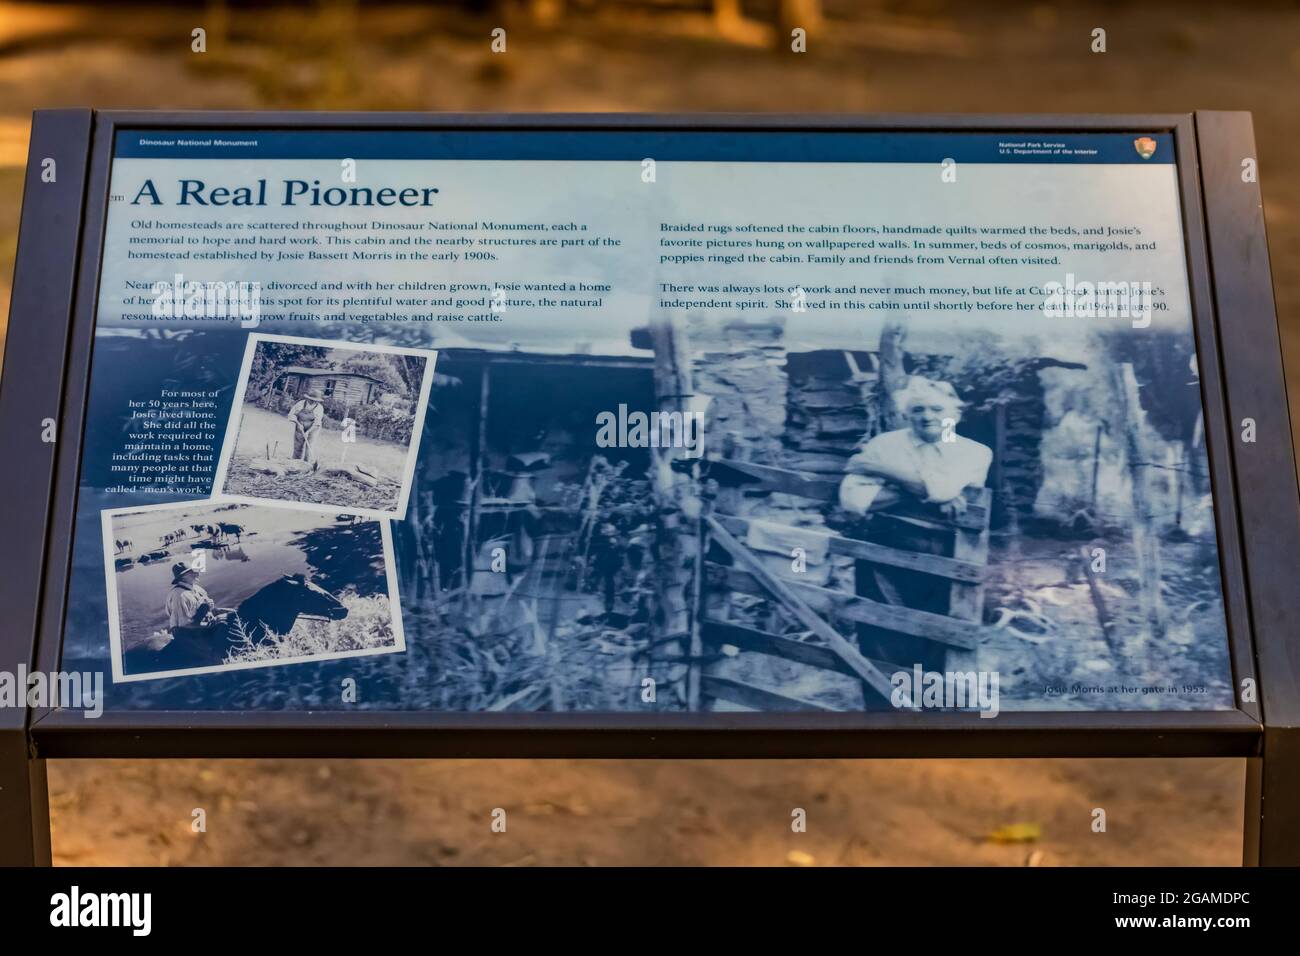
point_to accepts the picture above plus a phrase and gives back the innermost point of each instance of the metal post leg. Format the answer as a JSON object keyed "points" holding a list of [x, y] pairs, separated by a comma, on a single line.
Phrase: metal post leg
{"points": [[1272, 833], [24, 804]]}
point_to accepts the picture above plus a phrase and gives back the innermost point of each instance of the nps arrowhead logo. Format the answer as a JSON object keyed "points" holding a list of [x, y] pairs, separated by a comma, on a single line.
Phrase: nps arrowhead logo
{"points": [[1146, 146]]}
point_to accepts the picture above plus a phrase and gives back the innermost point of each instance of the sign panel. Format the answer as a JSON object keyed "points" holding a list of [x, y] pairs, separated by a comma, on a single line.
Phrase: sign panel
{"points": [[629, 421]]}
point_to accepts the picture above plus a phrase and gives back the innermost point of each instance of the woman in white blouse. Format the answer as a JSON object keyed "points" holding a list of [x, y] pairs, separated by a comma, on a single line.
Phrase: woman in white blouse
{"points": [[909, 483], [928, 460]]}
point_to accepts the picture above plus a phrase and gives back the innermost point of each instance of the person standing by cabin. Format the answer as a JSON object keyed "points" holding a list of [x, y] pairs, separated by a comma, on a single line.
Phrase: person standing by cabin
{"points": [[607, 548], [909, 484], [306, 415]]}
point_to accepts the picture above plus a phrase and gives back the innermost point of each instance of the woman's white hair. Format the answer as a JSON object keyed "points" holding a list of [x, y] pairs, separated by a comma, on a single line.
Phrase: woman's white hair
{"points": [[927, 391]]}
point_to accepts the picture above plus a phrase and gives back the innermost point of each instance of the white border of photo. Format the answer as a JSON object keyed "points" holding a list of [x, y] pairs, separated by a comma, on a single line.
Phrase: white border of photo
{"points": [[114, 614], [237, 412]]}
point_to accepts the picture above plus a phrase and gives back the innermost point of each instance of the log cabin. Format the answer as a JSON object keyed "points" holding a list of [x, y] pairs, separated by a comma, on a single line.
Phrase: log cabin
{"points": [[350, 388]]}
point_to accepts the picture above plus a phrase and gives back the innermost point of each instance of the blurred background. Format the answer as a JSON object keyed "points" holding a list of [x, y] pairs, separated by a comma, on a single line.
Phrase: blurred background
{"points": [[679, 56]]}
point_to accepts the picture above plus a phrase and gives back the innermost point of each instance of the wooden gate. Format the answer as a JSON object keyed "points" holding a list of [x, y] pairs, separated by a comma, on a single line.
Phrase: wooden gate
{"points": [[819, 644]]}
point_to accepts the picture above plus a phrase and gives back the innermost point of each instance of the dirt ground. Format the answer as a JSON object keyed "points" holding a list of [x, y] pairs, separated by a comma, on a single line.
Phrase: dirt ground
{"points": [[930, 56], [580, 813], [261, 431]]}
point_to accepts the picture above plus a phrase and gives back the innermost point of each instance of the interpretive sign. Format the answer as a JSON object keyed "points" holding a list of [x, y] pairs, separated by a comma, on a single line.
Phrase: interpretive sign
{"points": [[740, 437]]}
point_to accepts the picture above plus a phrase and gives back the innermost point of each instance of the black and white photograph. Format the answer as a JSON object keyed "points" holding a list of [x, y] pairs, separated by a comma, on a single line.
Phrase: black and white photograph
{"points": [[1032, 507], [318, 422], [204, 587]]}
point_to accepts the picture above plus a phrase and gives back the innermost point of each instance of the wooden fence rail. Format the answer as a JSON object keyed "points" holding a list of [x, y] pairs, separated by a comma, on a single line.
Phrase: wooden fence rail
{"points": [[814, 607]]}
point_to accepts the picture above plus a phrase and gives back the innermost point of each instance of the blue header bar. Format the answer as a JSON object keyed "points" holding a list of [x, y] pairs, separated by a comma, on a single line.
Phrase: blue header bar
{"points": [[664, 146]]}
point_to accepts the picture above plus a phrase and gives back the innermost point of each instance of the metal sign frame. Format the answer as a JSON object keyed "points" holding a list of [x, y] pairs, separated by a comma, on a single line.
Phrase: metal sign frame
{"points": [[1257, 508]]}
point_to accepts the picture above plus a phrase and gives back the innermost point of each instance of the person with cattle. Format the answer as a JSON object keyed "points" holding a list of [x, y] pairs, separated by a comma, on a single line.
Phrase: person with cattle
{"points": [[198, 627], [188, 604]]}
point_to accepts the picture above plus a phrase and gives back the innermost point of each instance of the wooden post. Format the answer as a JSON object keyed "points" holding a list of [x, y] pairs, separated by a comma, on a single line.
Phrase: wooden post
{"points": [[1178, 463], [805, 14], [1096, 469], [550, 650], [476, 478], [878, 399], [966, 601], [677, 498], [694, 668], [1104, 617], [1145, 544], [414, 585], [1002, 487]]}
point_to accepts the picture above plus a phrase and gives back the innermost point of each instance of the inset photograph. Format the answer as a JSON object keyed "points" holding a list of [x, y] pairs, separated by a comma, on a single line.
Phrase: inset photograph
{"points": [[206, 586], [318, 422]]}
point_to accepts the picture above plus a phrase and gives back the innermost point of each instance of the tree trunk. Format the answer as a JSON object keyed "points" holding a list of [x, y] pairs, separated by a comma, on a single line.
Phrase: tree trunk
{"points": [[892, 376], [1145, 544], [677, 533]]}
